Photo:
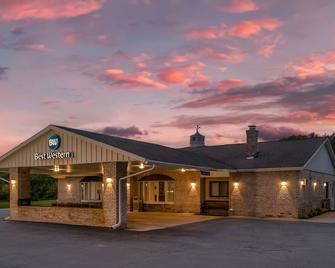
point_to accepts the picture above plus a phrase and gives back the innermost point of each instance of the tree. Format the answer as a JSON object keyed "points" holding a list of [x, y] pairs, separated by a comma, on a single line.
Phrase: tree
{"points": [[43, 187], [312, 136]]}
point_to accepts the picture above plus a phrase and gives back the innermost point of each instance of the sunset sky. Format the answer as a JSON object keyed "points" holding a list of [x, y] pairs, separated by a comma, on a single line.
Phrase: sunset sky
{"points": [[153, 69]]}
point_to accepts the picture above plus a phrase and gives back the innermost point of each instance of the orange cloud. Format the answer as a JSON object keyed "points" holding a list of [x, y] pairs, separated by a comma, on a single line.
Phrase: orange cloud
{"points": [[13, 10], [140, 79], [315, 65], [249, 28], [230, 83], [241, 6]]}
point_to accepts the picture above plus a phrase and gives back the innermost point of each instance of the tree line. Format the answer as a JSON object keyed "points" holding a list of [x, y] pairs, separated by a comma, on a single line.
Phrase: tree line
{"points": [[42, 187]]}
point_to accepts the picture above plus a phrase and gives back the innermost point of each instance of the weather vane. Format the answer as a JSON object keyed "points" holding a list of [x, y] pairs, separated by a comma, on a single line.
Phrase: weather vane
{"points": [[197, 128]]}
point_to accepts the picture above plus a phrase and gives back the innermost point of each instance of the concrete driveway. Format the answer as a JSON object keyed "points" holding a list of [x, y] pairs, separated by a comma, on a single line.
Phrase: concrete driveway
{"points": [[4, 212], [148, 221], [215, 243], [328, 217]]}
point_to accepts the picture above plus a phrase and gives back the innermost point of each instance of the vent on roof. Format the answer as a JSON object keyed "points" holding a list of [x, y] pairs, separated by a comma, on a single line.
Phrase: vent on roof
{"points": [[197, 140], [252, 142]]}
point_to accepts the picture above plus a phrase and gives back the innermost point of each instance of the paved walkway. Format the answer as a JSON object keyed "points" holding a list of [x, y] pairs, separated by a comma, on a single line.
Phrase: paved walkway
{"points": [[328, 217], [147, 221]]}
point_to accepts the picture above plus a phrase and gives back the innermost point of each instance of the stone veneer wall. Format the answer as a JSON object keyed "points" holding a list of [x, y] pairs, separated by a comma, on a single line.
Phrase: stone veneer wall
{"points": [[260, 194], [64, 215], [187, 199], [311, 196]]}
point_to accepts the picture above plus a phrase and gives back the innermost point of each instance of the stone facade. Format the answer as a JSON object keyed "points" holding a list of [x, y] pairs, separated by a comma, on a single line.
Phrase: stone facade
{"points": [[64, 215], [187, 191], [114, 171], [261, 194], [313, 192]]}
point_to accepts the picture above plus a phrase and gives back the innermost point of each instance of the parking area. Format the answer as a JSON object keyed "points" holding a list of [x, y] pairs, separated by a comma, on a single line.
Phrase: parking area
{"points": [[148, 221], [223, 242]]}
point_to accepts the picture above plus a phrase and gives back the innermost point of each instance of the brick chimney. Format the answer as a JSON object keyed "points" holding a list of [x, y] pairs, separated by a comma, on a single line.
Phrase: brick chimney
{"points": [[252, 142]]}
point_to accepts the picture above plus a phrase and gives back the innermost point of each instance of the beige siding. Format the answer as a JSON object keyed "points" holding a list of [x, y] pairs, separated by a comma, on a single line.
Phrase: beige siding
{"points": [[85, 151]]}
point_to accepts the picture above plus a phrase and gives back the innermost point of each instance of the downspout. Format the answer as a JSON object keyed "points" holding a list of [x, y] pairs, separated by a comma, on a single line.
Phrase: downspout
{"points": [[119, 222]]}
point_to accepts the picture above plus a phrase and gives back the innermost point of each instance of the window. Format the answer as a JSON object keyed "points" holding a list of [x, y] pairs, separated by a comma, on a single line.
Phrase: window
{"points": [[91, 191], [218, 189], [159, 192]]}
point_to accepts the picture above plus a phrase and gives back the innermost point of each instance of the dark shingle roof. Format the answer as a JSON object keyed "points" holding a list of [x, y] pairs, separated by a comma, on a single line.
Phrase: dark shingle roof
{"points": [[273, 154], [150, 151]]}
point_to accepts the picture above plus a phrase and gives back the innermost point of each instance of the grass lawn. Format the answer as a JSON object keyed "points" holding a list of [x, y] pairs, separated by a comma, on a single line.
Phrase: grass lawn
{"points": [[4, 204], [43, 203]]}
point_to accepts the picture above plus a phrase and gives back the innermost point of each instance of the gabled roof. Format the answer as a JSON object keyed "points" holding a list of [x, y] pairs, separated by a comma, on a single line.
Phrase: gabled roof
{"points": [[153, 153], [273, 154]]}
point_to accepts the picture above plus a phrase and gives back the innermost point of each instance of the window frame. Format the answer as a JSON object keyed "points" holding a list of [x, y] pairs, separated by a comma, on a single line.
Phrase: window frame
{"points": [[219, 195], [166, 182], [84, 189]]}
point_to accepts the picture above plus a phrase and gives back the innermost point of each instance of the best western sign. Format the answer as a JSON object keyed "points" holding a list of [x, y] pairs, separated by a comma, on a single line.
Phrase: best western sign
{"points": [[54, 143]]}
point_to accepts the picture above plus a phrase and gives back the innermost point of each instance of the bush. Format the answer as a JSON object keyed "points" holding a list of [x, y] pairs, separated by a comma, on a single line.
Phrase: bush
{"points": [[77, 205], [315, 212]]}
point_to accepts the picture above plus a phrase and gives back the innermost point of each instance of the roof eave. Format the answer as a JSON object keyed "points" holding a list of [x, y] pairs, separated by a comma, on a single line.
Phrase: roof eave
{"points": [[274, 169], [169, 164]]}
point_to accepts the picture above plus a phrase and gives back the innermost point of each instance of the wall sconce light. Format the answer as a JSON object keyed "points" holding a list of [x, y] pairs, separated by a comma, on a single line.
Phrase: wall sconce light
{"points": [[56, 168], [128, 184], [141, 166], [13, 182], [183, 170], [315, 184], [193, 184], [109, 180], [325, 184], [68, 187], [303, 182], [283, 183], [236, 184]]}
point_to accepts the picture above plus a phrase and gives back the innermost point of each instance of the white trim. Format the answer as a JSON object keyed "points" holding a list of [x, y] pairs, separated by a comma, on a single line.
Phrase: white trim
{"points": [[55, 128], [315, 153], [2, 179], [119, 222]]}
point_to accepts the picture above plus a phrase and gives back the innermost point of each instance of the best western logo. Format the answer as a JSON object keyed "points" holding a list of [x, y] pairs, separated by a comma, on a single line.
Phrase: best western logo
{"points": [[54, 143]]}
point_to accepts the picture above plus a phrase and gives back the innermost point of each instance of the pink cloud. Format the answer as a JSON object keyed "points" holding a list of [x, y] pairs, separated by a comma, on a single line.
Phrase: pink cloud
{"points": [[270, 45], [136, 80], [243, 29], [56, 102], [188, 73], [318, 64], [13, 10], [71, 38], [35, 47], [268, 132], [241, 6], [247, 28], [211, 32], [172, 75], [230, 83]]}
